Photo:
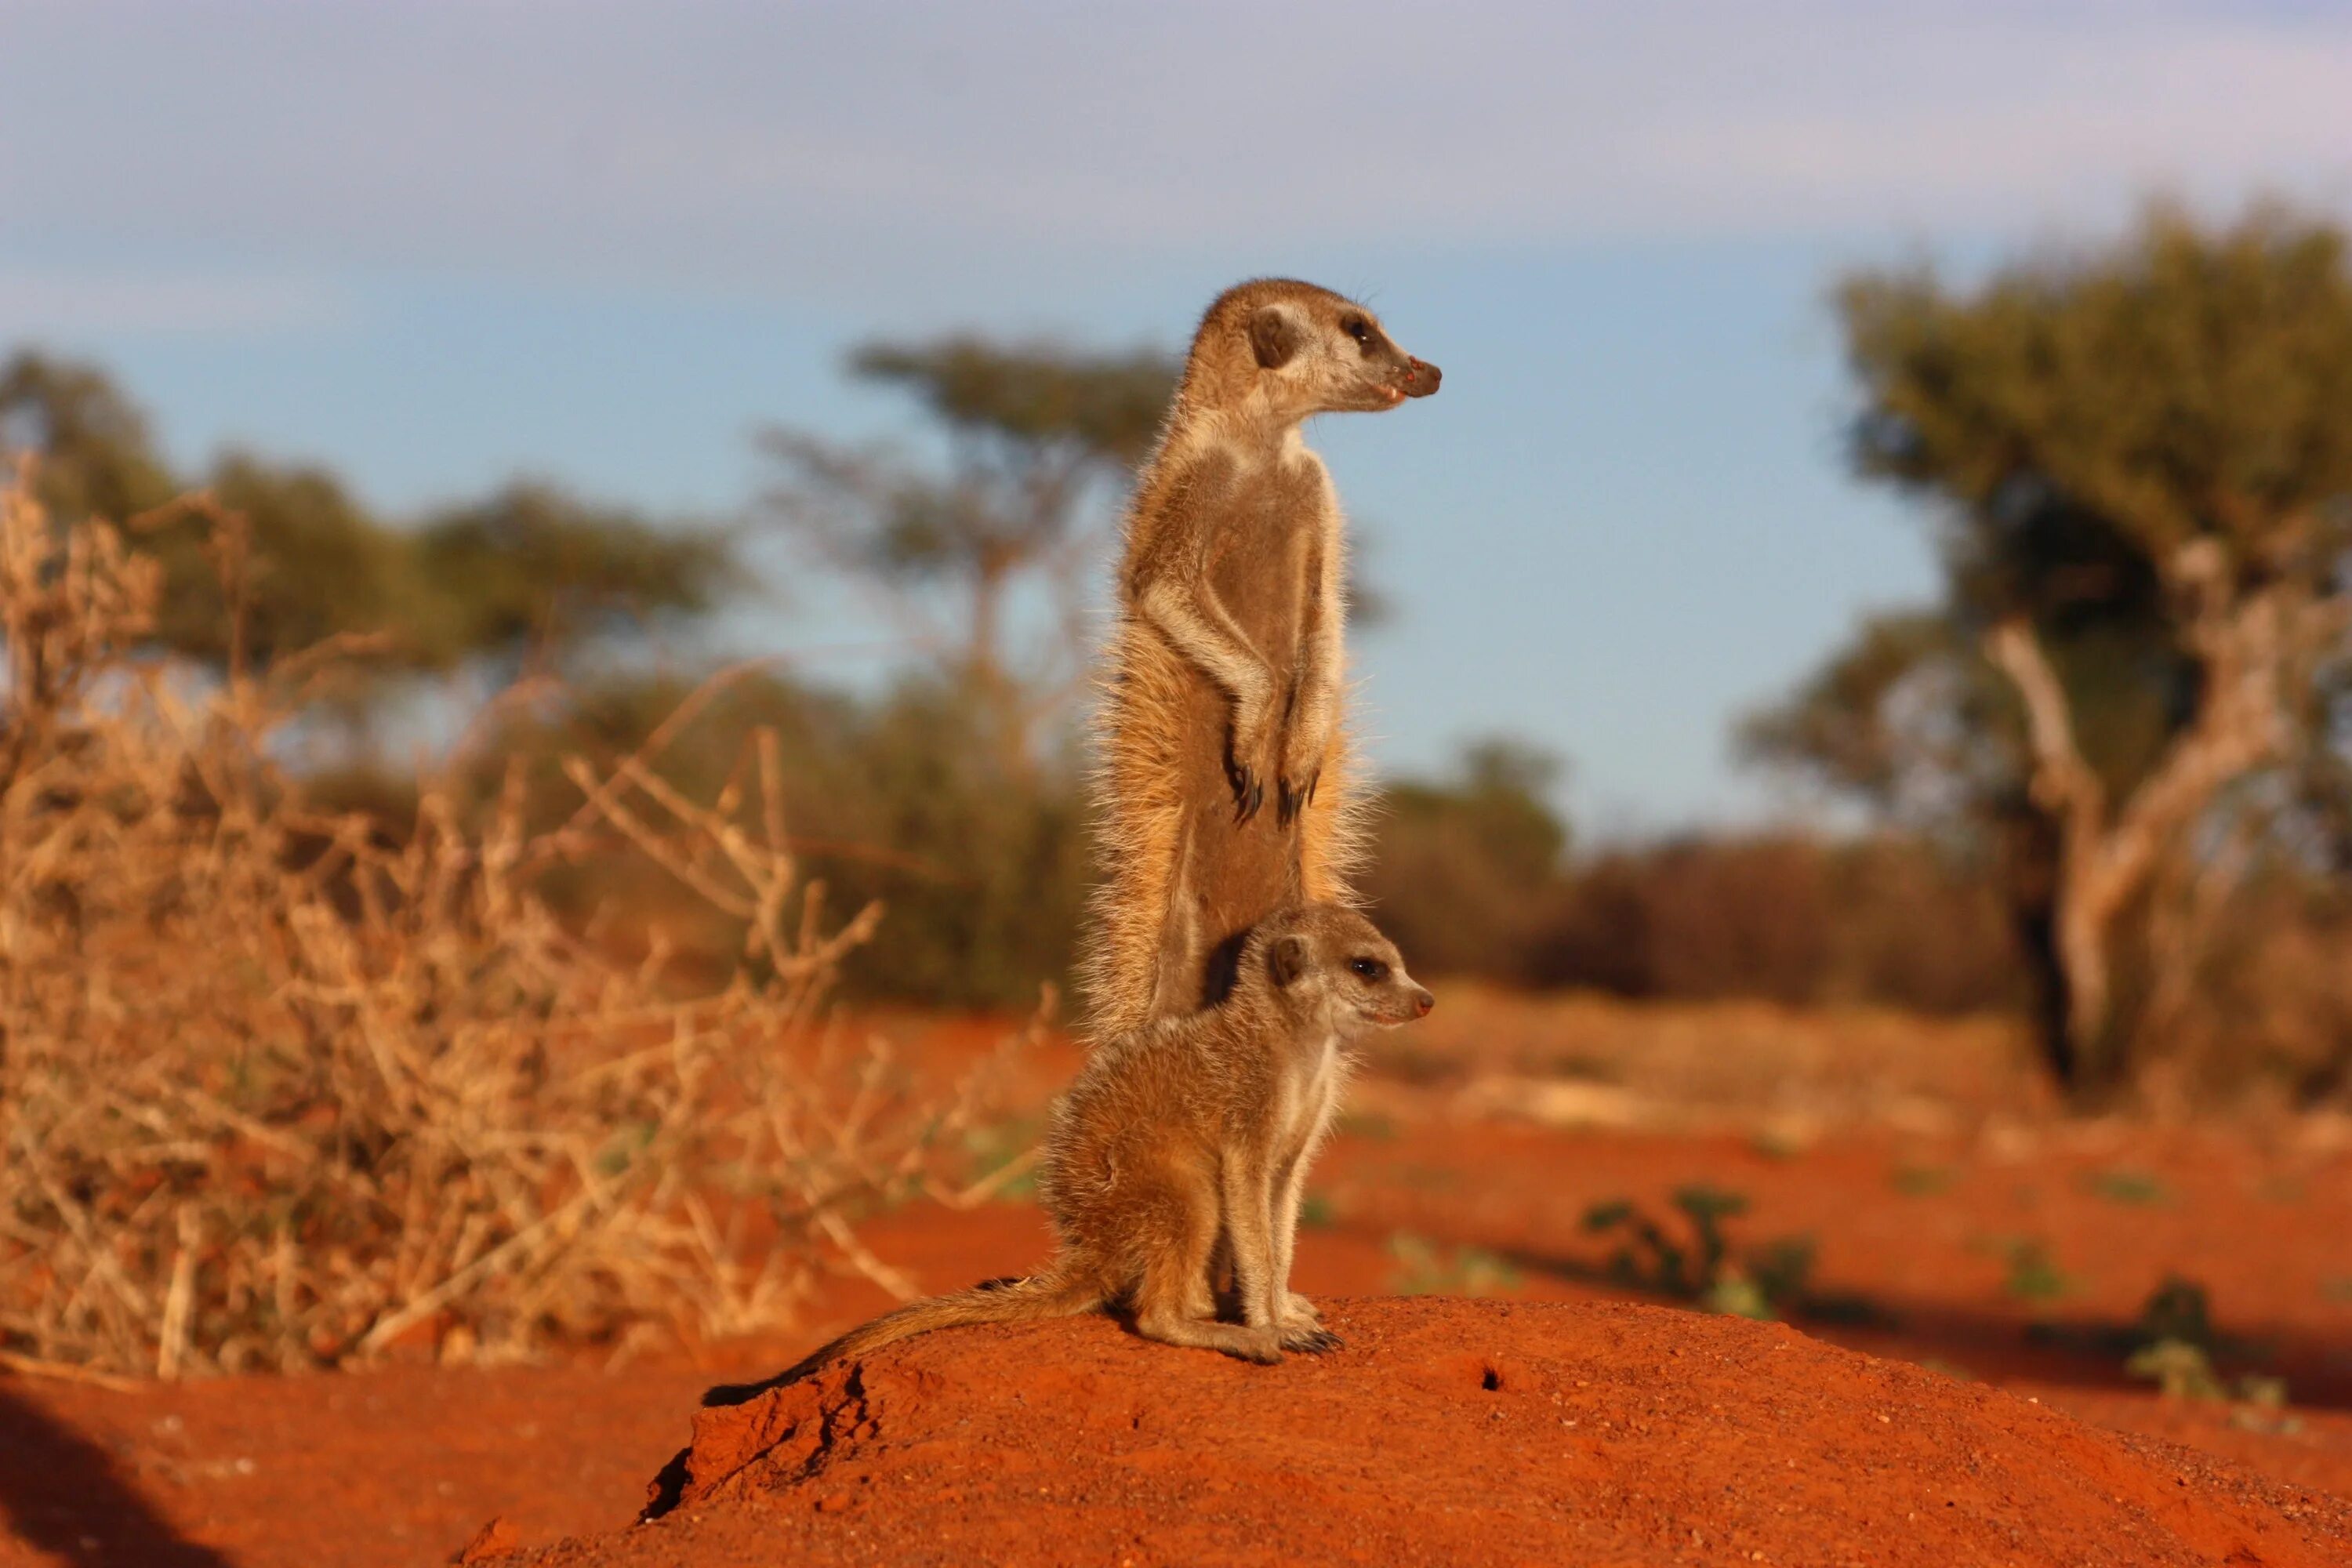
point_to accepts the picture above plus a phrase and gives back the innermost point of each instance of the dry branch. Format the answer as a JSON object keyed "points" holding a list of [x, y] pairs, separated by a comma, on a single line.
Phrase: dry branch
{"points": [[277, 1089]]}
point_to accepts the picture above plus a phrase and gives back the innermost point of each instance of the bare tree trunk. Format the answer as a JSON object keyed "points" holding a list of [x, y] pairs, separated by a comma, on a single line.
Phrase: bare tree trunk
{"points": [[2070, 795], [989, 683], [2030, 872], [2107, 856]]}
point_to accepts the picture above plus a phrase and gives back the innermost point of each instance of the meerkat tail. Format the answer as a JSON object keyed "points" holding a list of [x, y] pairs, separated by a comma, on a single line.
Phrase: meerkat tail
{"points": [[1013, 1301]]}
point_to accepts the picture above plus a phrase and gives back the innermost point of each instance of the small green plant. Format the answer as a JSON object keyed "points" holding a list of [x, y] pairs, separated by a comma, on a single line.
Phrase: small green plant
{"points": [[2135, 1188], [1422, 1270], [2180, 1370], [1316, 1212], [1922, 1181], [2177, 1309], [2034, 1275], [2265, 1398], [2173, 1344], [1370, 1124], [1781, 1268], [1733, 1295], [1700, 1267]]}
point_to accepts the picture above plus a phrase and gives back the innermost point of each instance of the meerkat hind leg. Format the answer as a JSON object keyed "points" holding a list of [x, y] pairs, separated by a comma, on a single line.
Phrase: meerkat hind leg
{"points": [[1212, 1289], [1172, 1302], [1156, 1321]]}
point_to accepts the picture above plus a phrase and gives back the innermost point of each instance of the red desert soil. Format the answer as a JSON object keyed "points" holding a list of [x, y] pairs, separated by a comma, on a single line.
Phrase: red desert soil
{"points": [[405, 1464], [1919, 1218], [1445, 1431]]}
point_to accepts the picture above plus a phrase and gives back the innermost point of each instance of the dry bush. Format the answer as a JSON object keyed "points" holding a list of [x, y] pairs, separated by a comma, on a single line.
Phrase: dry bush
{"points": [[1785, 916], [2253, 998], [276, 1091]]}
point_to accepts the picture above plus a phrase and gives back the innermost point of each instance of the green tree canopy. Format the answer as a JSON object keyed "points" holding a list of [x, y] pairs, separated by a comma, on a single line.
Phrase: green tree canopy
{"points": [[1035, 435], [2140, 458], [97, 457], [529, 564], [1028, 397], [320, 566], [533, 563]]}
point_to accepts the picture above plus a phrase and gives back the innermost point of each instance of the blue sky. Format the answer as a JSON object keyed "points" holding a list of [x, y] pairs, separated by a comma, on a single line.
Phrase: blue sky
{"points": [[436, 244]]}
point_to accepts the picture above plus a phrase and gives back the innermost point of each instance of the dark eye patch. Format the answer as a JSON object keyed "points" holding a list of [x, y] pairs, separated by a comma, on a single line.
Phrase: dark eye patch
{"points": [[1371, 969], [1359, 329]]}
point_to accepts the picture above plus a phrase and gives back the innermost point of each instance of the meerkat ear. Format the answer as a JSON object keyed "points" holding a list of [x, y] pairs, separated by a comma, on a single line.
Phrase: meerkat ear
{"points": [[1275, 336], [1287, 959]]}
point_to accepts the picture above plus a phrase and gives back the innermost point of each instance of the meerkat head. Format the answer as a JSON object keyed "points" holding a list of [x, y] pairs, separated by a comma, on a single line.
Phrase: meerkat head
{"points": [[1327, 958], [1299, 350]]}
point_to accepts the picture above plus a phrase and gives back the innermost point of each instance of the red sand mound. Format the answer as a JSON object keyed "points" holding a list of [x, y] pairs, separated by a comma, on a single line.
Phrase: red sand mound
{"points": [[1446, 1431]]}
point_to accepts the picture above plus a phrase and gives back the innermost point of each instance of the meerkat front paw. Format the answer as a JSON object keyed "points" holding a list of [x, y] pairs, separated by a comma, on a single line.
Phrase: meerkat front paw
{"points": [[1302, 767], [1249, 788], [1248, 764]]}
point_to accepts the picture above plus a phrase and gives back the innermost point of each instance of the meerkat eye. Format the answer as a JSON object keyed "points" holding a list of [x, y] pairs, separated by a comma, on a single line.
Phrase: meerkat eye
{"points": [[1371, 969], [1359, 329]]}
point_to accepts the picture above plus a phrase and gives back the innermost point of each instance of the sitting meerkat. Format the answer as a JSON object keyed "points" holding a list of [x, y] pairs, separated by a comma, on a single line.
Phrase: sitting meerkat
{"points": [[1191, 1137]]}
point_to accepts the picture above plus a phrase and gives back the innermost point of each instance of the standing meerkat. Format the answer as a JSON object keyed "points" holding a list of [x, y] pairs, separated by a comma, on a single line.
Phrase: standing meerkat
{"points": [[1189, 1137], [1226, 667]]}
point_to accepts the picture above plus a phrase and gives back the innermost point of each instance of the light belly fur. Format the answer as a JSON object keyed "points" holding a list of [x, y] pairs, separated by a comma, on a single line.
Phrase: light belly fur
{"points": [[1309, 1094]]}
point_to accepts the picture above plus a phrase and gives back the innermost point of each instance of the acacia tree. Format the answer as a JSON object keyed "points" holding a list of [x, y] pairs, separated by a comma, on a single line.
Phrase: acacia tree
{"points": [[2141, 457], [1034, 436], [527, 566]]}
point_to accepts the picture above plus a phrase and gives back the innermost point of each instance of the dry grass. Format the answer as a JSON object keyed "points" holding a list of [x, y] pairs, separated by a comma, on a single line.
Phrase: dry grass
{"points": [[278, 1091]]}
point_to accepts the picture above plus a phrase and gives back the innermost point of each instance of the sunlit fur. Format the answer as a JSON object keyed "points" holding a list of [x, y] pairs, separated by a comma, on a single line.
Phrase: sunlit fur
{"points": [[1224, 777], [1183, 1147]]}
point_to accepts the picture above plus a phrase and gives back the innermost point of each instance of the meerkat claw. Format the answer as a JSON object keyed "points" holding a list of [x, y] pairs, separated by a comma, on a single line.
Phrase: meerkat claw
{"points": [[1247, 790], [1251, 795], [1296, 798], [1312, 1341]]}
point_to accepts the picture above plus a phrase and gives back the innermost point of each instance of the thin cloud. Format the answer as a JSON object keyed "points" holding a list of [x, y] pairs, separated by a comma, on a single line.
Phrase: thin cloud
{"points": [[45, 304], [785, 147]]}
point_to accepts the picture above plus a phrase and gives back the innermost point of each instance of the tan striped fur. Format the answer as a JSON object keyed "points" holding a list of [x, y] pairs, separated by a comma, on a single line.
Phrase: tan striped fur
{"points": [[1225, 781]]}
